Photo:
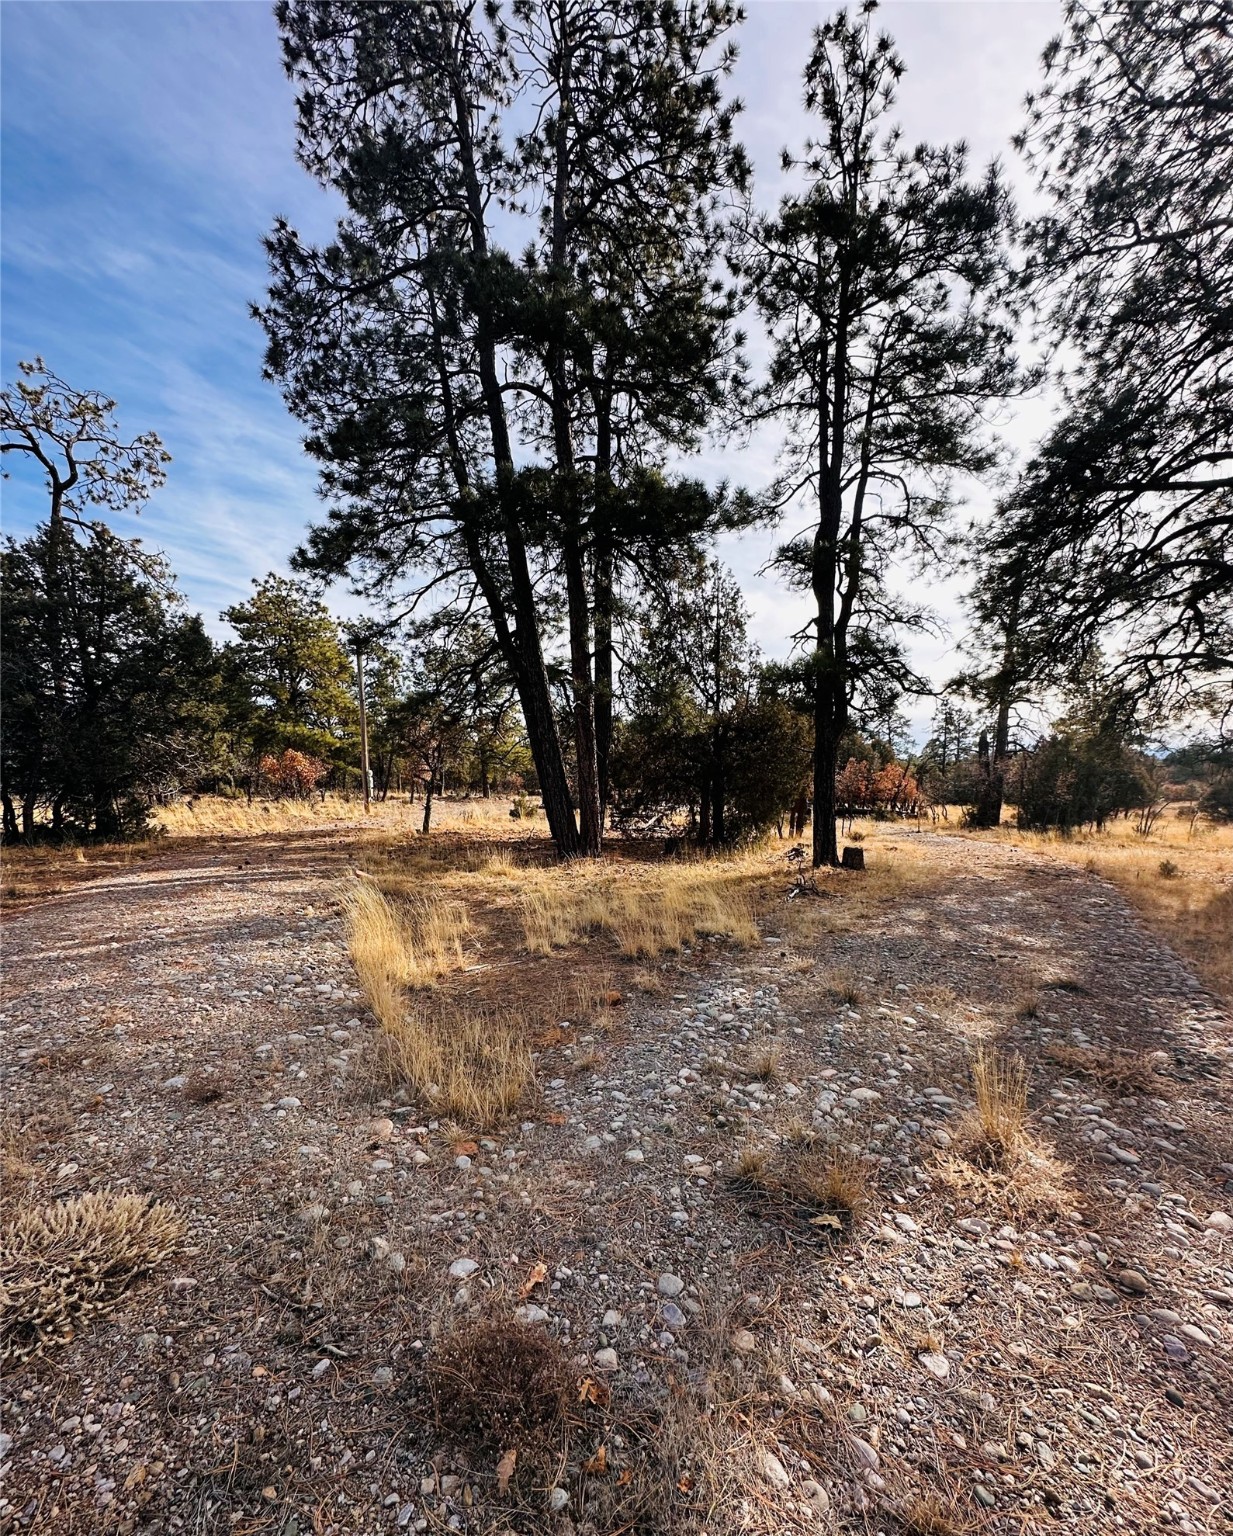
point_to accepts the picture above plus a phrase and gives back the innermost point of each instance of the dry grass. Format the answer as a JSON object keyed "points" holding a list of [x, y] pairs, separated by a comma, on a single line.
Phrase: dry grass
{"points": [[474, 1064], [206, 1087], [62, 1263], [1179, 877], [1126, 1072], [497, 1385], [762, 1064], [995, 1158], [217, 816], [409, 943], [648, 909], [49, 870], [843, 987], [928, 1515], [1000, 1083], [816, 1192]]}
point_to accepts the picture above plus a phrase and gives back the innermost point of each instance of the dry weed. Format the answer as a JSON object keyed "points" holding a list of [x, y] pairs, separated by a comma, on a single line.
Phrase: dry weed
{"points": [[498, 1384], [410, 943], [763, 1065], [995, 1159], [928, 1515], [476, 1064], [816, 1192], [206, 1087], [62, 1263], [1125, 1072], [1000, 1083], [843, 987], [650, 911]]}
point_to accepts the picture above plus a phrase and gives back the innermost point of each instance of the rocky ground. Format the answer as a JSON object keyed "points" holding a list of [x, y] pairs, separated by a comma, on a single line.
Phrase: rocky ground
{"points": [[191, 1029]]}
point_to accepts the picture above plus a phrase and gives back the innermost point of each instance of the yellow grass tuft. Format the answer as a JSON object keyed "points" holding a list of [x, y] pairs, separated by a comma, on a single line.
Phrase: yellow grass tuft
{"points": [[476, 1065], [1126, 1072], [995, 1158], [62, 1263], [649, 910], [818, 1191], [1000, 1083], [407, 943]]}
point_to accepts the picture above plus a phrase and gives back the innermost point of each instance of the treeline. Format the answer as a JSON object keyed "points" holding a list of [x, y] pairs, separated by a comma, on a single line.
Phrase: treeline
{"points": [[510, 339], [117, 700]]}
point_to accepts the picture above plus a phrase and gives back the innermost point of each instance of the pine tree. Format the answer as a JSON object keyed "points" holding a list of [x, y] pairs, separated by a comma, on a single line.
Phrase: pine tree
{"points": [[482, 418], [1123, 519], [882, 285]]}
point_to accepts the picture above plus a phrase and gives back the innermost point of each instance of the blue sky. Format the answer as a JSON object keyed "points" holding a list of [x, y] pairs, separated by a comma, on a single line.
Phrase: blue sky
{"points": [[146, 149]]}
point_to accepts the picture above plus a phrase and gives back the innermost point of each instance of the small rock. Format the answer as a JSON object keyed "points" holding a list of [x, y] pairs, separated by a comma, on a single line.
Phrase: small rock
{"points": [[606, 1359], [743, 1342], [816, 1497], [289, 1101], [774, 1470], [937, 1365], [383, 1377], [1131, 1280], [380, 1129], [672, 1315], [558, 1498], [634, 1155], [462, 1269], [670, 1285], [1219, 1221], [865, 1453]]}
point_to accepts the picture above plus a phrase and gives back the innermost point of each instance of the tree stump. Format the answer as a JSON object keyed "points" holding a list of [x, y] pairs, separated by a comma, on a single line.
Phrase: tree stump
{"points": [[854, 858]]}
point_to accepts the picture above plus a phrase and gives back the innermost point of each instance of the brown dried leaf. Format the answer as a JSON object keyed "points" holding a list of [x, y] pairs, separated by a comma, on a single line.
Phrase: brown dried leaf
{"points": [[537, 1275], [505, 1469]]}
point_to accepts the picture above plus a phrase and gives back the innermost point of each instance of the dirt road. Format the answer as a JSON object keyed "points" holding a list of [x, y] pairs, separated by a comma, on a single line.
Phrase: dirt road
{"points": [[191, 1030]]}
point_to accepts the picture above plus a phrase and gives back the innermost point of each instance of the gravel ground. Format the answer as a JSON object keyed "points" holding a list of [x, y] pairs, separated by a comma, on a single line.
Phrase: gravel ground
{"points": [[192, 1030]]}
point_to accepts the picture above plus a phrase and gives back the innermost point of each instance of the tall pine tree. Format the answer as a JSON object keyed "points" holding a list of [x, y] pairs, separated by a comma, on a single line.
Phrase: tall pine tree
{"points": [[881, 283]]}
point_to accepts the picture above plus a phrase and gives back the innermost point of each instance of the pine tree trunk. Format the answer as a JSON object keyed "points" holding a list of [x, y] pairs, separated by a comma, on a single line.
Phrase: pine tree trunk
{"points": [[589, 813], [604, 578], [825, 761]]}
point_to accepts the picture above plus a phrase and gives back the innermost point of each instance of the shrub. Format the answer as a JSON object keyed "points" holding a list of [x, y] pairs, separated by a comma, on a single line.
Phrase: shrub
{"points": [[293, 774], [65, 1262], [498, 1384]]}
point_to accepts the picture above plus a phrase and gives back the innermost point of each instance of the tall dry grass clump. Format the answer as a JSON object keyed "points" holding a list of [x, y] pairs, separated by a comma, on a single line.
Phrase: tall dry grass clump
{"points": [[994, 1157], [655, 911], [411, 943], [473, 1065], [62, 1263], [1000, 1085]]}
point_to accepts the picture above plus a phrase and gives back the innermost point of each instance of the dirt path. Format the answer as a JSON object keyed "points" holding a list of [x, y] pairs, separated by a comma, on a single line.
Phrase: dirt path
{"points": [[191, 1030]]}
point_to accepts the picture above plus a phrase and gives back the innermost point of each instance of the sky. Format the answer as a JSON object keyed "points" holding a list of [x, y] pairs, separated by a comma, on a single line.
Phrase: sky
{"points": [[146, 148]]}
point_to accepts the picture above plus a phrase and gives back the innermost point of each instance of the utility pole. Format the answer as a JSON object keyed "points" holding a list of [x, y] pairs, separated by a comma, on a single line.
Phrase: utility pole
{"points": [[359, 667]]}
